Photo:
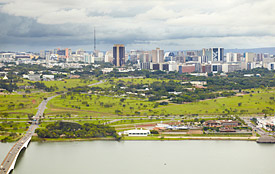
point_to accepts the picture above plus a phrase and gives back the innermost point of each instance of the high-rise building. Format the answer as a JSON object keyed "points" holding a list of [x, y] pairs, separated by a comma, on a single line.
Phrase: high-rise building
{"points": [[157, 56], [217, 54], [88, 58], [249, 57], [68, 52], [42, 54], [145, 57], [63, 53], [80, 52], [233, 57], [213, 55], [118, 55], [108, 56]]}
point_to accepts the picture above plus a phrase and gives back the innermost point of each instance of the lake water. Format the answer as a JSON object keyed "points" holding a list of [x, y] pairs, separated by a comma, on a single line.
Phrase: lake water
{"points": [[145, 157]]}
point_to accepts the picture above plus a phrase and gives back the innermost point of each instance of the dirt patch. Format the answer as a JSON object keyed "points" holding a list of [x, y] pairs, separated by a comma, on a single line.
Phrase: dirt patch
{"points": [[195, 132]]}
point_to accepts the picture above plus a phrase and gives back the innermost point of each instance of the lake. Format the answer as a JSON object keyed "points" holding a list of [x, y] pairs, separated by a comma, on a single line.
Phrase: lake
{"points": [[145, 157]]}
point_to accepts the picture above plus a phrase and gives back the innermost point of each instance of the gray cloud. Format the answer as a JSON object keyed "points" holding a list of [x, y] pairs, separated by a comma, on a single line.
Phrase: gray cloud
{"points": [[173, 25]]}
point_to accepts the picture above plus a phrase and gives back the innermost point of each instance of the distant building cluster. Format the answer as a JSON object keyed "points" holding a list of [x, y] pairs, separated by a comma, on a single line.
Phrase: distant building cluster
{"points": [[207, 60], [211, 60]]}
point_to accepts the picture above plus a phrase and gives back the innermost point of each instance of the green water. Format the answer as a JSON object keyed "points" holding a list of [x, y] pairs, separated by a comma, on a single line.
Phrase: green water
{"points": [[145, 157]]}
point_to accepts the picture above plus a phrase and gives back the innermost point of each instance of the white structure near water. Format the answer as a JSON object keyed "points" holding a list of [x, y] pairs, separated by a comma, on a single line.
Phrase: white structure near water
{"points": [[137, 132]]}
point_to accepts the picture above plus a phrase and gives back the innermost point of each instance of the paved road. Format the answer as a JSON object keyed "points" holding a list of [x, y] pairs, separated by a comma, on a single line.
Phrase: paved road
{"points": [[98, 83], [12, 155], [112, 121], [250, 124]]}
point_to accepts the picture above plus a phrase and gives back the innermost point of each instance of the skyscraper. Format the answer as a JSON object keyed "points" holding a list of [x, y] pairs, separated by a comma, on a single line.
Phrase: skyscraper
{"points": [[217, 54], [213, 55], [249, 57], [157, 56], [118, 55]]}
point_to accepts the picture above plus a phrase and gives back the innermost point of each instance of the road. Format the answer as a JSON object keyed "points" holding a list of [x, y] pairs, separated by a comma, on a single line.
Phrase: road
{"points": [[256, 129], [98, 83], [112, 121], [12, 155]]}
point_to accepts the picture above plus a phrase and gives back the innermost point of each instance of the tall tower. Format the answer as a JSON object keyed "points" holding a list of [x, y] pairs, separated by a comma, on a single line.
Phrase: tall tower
{"points": [[94, 40], [118, 55], [157, 55], [217, 54]]}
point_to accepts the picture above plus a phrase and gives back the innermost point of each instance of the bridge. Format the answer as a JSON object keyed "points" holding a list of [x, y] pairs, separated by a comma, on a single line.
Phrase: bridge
{"points": [[8, 163]]}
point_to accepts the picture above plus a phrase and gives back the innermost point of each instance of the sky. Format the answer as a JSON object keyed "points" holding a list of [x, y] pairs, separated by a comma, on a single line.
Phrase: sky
{"points": [[34, 25]]}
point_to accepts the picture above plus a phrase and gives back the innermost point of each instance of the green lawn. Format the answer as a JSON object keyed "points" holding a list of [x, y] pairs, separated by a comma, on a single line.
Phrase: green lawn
{"points": [[16, 105], [97, 105], [134, 121], [130, 81], [246, 104], [140, 80], [68, 83]]}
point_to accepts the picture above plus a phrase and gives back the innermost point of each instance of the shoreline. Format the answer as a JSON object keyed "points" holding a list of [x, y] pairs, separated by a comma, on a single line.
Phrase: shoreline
{"points": [[36, 139]]}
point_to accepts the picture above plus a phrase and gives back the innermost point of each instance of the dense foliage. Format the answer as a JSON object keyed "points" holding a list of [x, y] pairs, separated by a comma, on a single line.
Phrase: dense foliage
{"points": [[75, 130], [7, 85], [42, 86]]}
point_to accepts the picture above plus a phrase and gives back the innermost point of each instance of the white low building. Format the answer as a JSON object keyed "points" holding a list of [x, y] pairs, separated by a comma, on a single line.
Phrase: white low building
{"points": [[48, 77], [137, 132]]}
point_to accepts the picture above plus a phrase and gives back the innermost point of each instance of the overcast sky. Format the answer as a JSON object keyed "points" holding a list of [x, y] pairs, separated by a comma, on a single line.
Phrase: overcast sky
{"points": [[33, 25]]}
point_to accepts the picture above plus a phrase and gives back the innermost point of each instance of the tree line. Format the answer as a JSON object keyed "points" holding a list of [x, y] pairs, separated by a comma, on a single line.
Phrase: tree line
{"points": [[74, 130]]}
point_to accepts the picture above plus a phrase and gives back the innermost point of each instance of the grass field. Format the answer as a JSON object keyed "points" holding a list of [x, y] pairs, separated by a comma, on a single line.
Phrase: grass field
{"points": [[135, 121], [62, 85], [84, 105], [130, 81], [140, 80], [95, 105], [16, 105], [245, 104], [68, 83]]}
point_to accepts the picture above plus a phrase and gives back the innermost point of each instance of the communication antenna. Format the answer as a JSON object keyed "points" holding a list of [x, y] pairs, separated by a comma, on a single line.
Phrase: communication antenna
{"points": [[94, 40]]}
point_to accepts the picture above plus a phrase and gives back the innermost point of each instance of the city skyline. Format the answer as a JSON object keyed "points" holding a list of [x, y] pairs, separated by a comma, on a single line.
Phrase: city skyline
{"points": [[174, 25]]}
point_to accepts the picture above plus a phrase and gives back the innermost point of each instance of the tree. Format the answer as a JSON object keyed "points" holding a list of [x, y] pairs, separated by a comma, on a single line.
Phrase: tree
{"points": [[154, 132], [6, 115], [156, 105], [118, 112], [21, 105]]}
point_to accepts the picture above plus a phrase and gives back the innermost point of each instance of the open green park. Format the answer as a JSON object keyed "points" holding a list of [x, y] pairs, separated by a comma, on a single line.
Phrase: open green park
{"points": [[20, 105], [16, 108], [140, 80], [64, 84], [258, 101], [58, 85], [113, 81], [96, 105], [254, 103]]}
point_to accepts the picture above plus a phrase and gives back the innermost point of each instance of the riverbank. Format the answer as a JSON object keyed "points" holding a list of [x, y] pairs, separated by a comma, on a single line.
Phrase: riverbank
{"points": [[191, 138], [37, 139], [148, 138]]}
